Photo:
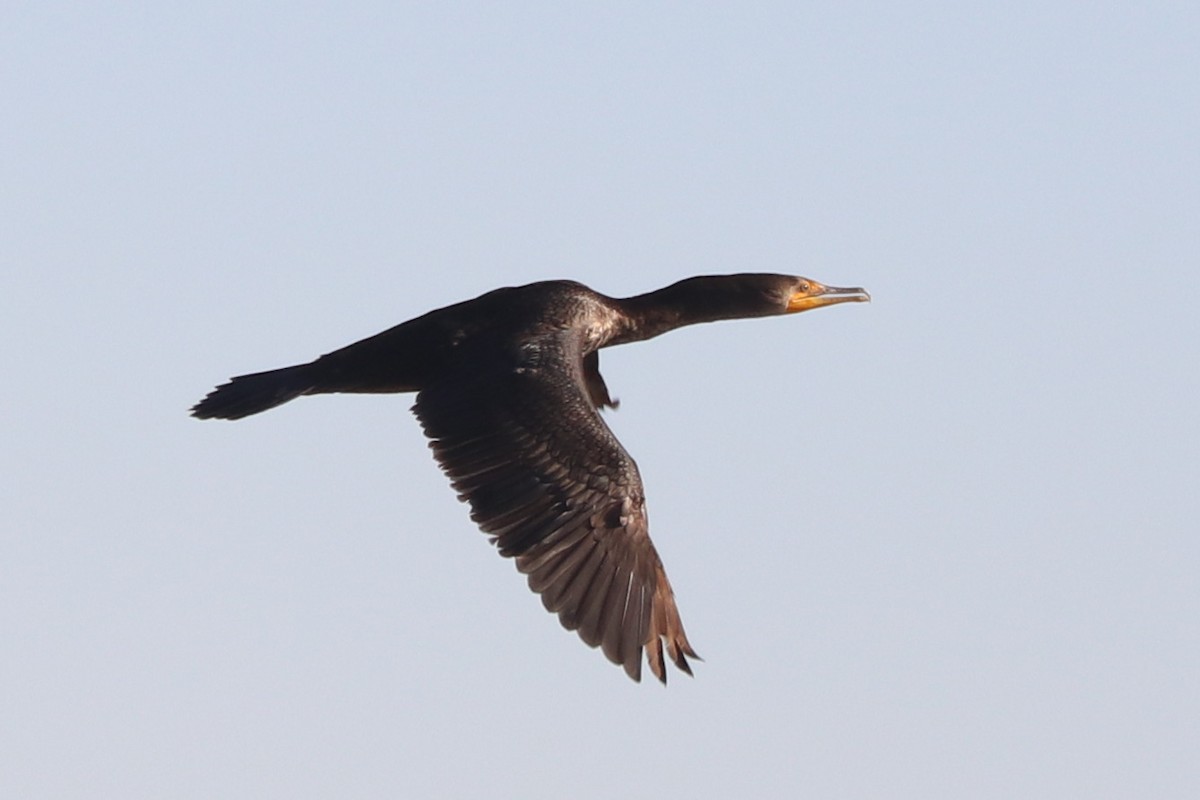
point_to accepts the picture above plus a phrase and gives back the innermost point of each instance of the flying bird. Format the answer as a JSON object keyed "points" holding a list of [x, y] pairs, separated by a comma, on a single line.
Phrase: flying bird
{"points": [[509, 391]]}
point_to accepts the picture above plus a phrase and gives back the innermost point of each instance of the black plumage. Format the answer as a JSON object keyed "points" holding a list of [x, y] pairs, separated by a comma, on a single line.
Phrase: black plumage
{"points": [[508, 391]]}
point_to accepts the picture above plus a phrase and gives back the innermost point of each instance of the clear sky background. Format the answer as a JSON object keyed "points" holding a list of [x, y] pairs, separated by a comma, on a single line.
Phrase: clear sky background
{"points": [[939, 546]]}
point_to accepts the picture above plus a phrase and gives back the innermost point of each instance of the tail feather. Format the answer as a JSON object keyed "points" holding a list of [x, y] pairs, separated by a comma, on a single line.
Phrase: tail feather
{"points": [[258, 391]]}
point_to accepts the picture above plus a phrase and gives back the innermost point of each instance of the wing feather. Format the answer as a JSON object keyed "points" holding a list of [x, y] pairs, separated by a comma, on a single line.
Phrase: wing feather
{"points": [[522, 442]]}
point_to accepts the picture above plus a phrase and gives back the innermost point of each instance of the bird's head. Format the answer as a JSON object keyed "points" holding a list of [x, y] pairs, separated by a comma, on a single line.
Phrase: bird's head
{"points": [[793, 294]]}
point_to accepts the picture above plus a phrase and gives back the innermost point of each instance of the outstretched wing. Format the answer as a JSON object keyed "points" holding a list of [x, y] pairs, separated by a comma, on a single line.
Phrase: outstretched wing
{"points": [[523, 443]]}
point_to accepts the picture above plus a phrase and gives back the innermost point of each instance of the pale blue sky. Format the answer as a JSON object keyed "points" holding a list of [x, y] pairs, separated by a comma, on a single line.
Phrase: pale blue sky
{"points": [[941, 546]]}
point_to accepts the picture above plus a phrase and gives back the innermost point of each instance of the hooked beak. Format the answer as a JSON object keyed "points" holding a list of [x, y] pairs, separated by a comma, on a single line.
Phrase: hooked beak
{"points": [[817, 295]]}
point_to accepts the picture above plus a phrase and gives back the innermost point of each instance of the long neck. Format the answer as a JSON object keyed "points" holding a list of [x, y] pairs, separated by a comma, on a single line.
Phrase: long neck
{"points": [[688, 302]]}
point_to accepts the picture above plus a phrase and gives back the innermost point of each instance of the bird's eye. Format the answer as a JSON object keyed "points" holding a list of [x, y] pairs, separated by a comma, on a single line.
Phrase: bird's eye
{"points": [[803, 287]]}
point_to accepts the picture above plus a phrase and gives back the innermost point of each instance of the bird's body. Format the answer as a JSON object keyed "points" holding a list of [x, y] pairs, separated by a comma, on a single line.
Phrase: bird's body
{"points": [[508, 389]]}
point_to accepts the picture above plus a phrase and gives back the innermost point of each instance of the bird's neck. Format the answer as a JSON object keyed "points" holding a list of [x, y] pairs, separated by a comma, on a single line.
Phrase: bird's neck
{"points": [[655, 313]]}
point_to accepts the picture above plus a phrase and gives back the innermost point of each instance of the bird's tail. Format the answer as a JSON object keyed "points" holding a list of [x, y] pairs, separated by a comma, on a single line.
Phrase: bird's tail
{"points": [[258, 391]]}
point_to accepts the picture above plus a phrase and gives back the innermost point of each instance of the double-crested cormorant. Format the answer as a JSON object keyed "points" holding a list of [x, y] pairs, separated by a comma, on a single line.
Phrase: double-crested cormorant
{"points": [[508, 391]]}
